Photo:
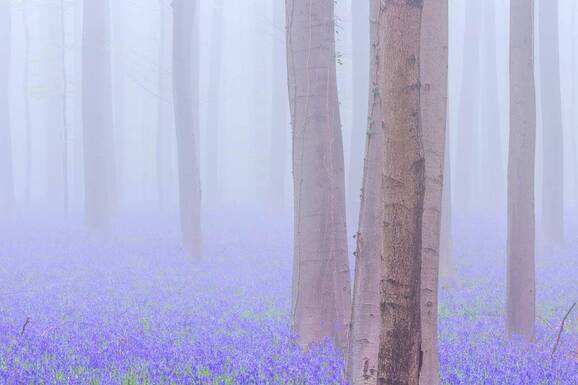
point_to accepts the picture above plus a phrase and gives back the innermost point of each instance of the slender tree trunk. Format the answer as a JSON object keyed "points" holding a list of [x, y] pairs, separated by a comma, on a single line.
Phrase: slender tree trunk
{"points": [[400, 351], [360, 78], [521, 288], [214, 111], [64, 79], [6, 177], [468, 115], [321, 291], [161, 113], [186, 104], [433, 98], [553, 148], [97, 117], [365, 326], [280, 124], [27, 119], [118, 74], [448, 273]]}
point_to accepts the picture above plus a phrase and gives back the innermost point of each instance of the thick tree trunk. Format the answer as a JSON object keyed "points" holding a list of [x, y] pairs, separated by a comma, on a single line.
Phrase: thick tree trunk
{"points": [[280, 125], [6, 177], [321, 291], [468, 114], [434, 95], [213, 110], [400, 350], [360, 78], [553, 152], [521, 292], [186, 105], [97, 117], [365, 326]]}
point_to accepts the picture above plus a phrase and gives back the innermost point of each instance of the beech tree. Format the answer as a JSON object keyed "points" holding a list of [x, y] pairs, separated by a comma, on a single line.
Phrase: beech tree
{"points": [[97, 113], [433, 98], [6, 177], [551, 102], [521, 286], [363, 349], [321, 292], [186, 108], [403, 192]]}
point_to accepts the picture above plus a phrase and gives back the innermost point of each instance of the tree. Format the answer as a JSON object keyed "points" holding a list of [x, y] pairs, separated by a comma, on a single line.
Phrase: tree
{"points": [[360, 78], [99, 155], [6, 177], [447, 267], [433, 98], [119, 95], [186, 108], [27, 118], [364, 333], [521, 286], [403, 171], [321, 292], [279, 112], [213, 113], [553, 149]]}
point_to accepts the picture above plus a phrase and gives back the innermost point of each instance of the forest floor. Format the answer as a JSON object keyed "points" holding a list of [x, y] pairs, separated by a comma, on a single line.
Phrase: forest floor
{"points": [[134, 311]]}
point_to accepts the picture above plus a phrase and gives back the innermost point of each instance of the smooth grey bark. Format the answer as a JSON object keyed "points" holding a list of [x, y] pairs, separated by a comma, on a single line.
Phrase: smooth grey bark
{"points": [[552, 140], [280, 124], [360, 79], [361, 365], [433, 100], [400, 350], [186, 108], [321, 293], [6, 172], [212, 168], [97, 111], [493, 165], [521, 287], [468, 114]]}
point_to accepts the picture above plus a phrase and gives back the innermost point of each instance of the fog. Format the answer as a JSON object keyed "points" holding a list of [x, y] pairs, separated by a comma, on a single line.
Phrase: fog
{"points": [[191, 172]]}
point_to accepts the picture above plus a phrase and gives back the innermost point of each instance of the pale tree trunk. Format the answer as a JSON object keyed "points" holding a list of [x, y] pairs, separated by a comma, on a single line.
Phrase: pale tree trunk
{"points": [[213, 191], [321, 293], [161, 109], [118, 74], [280, 125], [363, 349], [433, 99], [403, 192], [360, 78], [64, 74], [97, 117], [468, 115], [27, 118], [186, 105], [521, 286], [493, 165], [553, 149], [6, 173]]}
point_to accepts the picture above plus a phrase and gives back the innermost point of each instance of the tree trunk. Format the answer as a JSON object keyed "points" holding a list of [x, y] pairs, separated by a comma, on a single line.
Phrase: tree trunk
{"points": [[448, 270], [97, 110], [213, 113], [321, 292], [433, 98], [365, 327], [186, 105], [27, 118], [6, 172], [400, 352], [553, 152], [119, 96], [64, 73], [360, 78], [521, 290], [280, 112], [468, 115]]}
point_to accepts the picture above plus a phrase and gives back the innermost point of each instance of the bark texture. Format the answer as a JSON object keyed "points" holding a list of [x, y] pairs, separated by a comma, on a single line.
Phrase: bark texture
{"points": [[521, 292], [365, 325], [433, 98], [6, 173], [551, 101], [97, 117], [400, 353], [186, 108], [321, 291]]}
